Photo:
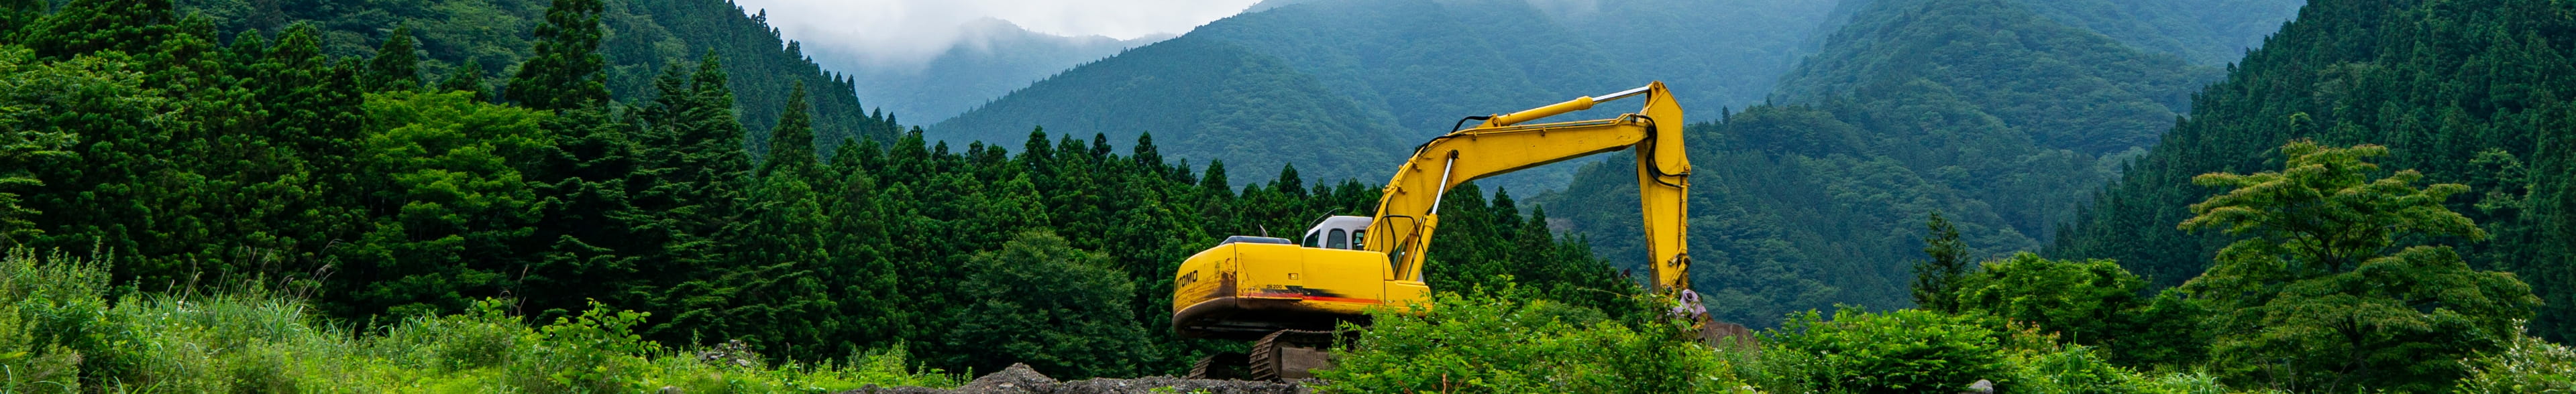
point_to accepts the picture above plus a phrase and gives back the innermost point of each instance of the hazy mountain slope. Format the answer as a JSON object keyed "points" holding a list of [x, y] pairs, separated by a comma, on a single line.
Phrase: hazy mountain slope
{"points": [[2466, 91], [1715, 54], [1982, 110], [1416, 66], [645, 36], [2202, 31], [1200, 97], [994, 58], [2070, 87]]}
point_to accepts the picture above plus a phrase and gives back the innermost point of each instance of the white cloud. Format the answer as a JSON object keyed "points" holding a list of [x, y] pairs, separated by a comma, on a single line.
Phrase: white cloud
{"points": [[902, 33]]}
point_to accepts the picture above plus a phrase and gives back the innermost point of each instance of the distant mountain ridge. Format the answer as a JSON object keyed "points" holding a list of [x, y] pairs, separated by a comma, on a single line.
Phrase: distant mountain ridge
{"points": [[991, 59], [1409, 69]]}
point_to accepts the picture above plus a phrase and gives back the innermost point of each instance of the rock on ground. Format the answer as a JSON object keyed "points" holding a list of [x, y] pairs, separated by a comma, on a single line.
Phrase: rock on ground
{"points": [[1020, 379]]}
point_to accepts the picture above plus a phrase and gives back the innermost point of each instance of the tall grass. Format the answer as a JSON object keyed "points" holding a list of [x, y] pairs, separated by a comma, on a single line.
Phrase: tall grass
{"points": [[60, 332]]}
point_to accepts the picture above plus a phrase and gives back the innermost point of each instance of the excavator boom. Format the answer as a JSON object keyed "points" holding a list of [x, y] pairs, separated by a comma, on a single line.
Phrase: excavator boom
{"points": [[1287, 296], [1408, 211]]}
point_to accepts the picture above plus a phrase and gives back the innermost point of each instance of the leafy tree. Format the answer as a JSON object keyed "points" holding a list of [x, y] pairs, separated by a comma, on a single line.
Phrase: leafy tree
{"points": [[2083, 302], [2313, 299], [567, 70], [23, 145], [451, 206], [1937, 279], [1038, 300]]}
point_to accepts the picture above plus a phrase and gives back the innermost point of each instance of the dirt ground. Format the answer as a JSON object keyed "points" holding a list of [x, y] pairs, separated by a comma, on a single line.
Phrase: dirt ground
{"points": [[1019, 379]]}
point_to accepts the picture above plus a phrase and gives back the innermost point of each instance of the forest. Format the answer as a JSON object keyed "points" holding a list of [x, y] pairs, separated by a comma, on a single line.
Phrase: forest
{"points": [[254, 197]]}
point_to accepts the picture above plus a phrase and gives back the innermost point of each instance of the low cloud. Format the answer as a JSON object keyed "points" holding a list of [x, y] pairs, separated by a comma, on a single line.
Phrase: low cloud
{"points": [[902, 34]]}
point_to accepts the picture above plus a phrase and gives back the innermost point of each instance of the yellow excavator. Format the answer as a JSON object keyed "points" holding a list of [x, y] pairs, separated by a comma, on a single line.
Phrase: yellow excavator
{"points": [[1287, 296]]}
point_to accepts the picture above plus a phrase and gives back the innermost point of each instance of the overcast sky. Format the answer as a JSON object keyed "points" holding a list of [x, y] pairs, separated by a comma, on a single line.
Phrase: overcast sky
{"points": [[907, 31]]}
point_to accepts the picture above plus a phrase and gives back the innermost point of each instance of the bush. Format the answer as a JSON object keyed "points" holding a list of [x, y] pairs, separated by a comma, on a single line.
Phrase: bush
{"points": [[1902, 351], [59, 333], [1497, 343], [2529, 365], [52, 322]]}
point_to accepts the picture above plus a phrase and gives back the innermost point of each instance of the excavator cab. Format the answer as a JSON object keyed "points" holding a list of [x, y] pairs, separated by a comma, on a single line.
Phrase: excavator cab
{"points": [[1338, 232]]}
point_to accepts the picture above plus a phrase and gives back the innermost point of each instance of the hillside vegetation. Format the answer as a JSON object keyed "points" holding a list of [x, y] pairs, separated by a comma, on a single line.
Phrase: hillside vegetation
{"points": [[184, 160], [1980, 110], [2468, 92], [639, 40]]}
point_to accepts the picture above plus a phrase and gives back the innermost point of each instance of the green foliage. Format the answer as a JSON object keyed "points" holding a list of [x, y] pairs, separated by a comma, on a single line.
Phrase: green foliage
{"points": [[85, 26], [1039, 301], [396, 65], [25, 141], [60, 334], [2527, 365], [51, 325], [1984, 111], [1936, 279], [566, 71], [1901, 351], [1505, 341], [2312, 299], [449, 198], [2450, 87], [2086, 302]]}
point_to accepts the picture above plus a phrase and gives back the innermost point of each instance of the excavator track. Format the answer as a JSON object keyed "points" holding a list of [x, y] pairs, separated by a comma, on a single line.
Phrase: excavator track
{"points": [[1291, 354], [1225, 365]]}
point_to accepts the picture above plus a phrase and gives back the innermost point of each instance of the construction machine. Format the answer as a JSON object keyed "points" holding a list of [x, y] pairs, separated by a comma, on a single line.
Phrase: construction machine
{"points": [[1287, 296]]}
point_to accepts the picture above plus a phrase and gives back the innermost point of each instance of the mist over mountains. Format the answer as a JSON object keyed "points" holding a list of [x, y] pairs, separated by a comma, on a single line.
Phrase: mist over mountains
{"points": [[991, 58]]}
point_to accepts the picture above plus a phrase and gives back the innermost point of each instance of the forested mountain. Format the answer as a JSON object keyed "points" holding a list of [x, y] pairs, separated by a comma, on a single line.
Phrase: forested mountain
{"points": [[992, 58], [1261, 114], [1408, 70], [2208, 32], [1981, 110], [642, 39], [2466, 91], [186, 160]]}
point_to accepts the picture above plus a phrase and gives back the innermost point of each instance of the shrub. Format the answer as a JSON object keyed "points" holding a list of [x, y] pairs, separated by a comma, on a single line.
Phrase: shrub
{"points": [[1902, 351], [2528, 365], [1484, 342], [52, 322], [595, 352]]}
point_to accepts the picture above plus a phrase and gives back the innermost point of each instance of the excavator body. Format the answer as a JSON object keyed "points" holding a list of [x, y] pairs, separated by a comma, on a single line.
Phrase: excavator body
{"points": [[1288, 296]]}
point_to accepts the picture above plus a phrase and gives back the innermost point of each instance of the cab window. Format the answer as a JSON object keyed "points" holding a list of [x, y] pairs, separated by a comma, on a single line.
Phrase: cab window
{"points": [[1359, 239], [1338, 240], [1315, 239]]}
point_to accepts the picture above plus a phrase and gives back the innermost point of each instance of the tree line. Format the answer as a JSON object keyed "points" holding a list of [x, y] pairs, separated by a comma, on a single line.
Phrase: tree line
{"points": [[376, 191]]}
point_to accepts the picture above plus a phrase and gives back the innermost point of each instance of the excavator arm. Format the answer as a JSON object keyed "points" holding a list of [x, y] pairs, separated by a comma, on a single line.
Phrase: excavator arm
{"points": [[1409, 210]]}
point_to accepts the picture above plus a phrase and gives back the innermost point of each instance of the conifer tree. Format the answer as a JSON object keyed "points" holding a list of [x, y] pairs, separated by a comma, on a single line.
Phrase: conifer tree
{"points": [[1936, 280], [791, 145], [567, 70], [396, 66]]}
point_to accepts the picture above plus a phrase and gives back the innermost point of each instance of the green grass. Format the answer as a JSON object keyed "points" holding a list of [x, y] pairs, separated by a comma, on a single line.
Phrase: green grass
{"points": [[60, 333]]}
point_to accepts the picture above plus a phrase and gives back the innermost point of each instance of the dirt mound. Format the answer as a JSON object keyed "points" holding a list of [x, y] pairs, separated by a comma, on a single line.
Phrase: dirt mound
{"points": [[1020, 379]]}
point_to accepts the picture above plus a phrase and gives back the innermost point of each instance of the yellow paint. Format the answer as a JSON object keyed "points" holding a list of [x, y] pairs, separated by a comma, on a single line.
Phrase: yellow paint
{"points": [[1405, 215]]}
